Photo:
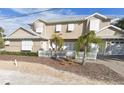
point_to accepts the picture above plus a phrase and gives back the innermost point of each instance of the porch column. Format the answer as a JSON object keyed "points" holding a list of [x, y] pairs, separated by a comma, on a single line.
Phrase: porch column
{"points": [[105, 47]]}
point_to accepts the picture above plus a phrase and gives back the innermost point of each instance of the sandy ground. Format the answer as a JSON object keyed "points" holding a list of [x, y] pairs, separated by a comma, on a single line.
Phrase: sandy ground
{"points": [[33, 73]]}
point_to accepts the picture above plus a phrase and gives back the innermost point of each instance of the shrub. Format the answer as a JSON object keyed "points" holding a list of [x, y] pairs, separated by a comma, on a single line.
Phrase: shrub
{"points": [[19, 53]]}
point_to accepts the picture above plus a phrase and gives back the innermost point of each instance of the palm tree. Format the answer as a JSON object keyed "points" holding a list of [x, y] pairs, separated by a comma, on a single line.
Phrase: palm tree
{"points": [[1, 32], [84, 43], [1, 37], [120, 23], [56, 43]]}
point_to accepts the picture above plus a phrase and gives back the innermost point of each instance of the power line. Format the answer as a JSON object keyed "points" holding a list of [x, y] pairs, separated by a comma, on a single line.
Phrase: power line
{"points": [[29, 14]]}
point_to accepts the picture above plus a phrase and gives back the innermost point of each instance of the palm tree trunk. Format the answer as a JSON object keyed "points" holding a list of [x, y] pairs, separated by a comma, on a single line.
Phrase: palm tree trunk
{"points": [[83, 59]]}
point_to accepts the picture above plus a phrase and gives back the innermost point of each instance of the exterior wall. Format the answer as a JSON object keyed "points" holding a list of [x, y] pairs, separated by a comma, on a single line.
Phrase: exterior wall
{"points": [[36, 46], [21, 33], [15, 46], [38, 24], [109, 32], [80, 27], [50, 29], [103, 23]]}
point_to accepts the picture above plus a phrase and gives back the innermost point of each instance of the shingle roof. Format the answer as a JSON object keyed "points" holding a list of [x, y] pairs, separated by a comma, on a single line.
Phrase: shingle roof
{"points": [[66, 19], [72, 18]]}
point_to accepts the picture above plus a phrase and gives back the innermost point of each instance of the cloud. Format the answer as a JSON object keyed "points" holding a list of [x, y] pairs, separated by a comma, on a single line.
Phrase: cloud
{"points": [[11, 25], [28, 10]]}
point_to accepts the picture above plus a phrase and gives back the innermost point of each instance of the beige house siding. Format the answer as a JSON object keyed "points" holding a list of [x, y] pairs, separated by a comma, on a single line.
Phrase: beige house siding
{"points": [[109, 32], [37, 24], [103, 23], [50, 29], [15, 46], [20, 33], [36, 46]]}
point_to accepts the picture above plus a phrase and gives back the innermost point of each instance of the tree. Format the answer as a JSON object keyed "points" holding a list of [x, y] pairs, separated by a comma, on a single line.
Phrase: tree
{"points": [[1, 37], [120, 23], [56, 43], [84, 43]]}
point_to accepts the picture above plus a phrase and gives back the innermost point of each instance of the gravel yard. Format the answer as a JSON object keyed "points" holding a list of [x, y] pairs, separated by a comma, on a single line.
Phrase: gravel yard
{"points": [[59, 72]]}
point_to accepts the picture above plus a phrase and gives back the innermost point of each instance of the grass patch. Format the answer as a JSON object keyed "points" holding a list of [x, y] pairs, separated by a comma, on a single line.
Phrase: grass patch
{"points": [[19, 53]]}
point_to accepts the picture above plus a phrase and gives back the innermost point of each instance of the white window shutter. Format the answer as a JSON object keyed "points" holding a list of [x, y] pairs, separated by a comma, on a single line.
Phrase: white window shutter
{"points": [[94, 24], [70, 27], [58, 28]]}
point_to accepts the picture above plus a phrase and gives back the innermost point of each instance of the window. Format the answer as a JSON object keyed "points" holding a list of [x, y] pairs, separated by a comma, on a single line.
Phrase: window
{"points": [[7, 43], [39, 28], [27, 45], [58, 28], [121, 42], [94, 24], [70, 27]]}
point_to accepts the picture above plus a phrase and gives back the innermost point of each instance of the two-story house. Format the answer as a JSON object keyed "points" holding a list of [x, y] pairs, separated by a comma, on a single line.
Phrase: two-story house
{"points": [[69, 28]]}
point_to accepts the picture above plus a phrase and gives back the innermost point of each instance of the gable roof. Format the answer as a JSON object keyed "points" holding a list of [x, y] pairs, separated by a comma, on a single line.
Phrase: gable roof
{"points": [[106, 36], [112, 26], [31, 32], [97, 15], [34, 35]]}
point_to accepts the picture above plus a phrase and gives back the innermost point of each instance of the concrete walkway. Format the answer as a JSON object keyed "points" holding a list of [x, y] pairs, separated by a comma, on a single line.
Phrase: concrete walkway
{"points": [[116, 65]]}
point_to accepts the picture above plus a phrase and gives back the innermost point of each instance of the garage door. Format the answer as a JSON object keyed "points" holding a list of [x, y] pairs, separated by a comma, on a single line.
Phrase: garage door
{"points": [[115, 48]]}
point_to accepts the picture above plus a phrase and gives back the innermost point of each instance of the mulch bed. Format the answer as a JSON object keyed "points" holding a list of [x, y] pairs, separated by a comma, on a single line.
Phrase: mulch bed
{"points": [[90, 70]]}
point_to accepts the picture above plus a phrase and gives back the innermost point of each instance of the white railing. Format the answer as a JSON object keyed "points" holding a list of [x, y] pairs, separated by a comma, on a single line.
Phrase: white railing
{"points": [[42, 53], [71, 54], [91, 55]]}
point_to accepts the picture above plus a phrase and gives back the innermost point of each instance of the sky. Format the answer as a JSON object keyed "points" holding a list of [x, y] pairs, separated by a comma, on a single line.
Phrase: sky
{"points": [[10, 24]]}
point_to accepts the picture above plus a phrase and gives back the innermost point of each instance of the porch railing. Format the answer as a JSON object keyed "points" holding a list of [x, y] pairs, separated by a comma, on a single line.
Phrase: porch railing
{"points": [[64, 54]]}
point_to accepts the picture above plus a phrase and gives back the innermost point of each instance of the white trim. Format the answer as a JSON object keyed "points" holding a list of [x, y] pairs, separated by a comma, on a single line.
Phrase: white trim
{"points": [[96, 14], [110, 26], [31, 32]]}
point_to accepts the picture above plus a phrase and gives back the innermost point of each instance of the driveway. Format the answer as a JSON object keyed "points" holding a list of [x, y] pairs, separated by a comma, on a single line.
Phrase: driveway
{"points": [[114, 63]]}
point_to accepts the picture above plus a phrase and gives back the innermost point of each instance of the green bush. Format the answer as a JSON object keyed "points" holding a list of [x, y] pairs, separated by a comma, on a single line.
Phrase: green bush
{"points": [[19, 53]]}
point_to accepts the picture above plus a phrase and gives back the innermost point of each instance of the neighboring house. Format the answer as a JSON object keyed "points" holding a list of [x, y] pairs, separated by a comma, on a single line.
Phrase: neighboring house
{"points": [[69, 29]]}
